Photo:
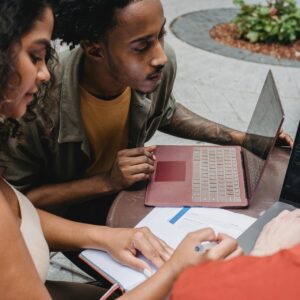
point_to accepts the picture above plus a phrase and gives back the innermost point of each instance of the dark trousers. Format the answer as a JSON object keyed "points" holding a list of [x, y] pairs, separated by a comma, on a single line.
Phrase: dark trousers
{"points": [[61, 290]]}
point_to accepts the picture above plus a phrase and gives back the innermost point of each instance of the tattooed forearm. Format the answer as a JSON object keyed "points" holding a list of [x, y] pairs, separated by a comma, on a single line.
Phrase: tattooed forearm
{"points": [[189, 125]]}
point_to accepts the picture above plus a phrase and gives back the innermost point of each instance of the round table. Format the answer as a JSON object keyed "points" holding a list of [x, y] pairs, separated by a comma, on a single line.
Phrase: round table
{"points": [[128, 208]]}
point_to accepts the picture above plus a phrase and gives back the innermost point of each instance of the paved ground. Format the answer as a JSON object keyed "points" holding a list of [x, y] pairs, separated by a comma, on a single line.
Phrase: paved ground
{"points": [[194, 27], [219, 88]]}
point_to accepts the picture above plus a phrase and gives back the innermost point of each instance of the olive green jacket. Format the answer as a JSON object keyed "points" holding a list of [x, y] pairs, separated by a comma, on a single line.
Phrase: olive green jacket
{"points": [[37, 160]]}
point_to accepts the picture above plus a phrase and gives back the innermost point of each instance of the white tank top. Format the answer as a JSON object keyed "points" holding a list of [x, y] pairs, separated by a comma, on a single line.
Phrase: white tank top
{"points": [[33, 235]]}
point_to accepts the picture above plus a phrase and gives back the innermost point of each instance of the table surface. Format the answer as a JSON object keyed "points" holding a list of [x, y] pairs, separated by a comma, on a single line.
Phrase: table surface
{"points": [[128, 208]]}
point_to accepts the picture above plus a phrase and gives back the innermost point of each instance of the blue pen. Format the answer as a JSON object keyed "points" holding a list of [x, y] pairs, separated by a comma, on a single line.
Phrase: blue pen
{"points": [[204, 246]]}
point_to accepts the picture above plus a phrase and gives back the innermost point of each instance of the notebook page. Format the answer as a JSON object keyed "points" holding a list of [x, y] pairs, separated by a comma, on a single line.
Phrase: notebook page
{"points": [[126, 277], [171, 225]]}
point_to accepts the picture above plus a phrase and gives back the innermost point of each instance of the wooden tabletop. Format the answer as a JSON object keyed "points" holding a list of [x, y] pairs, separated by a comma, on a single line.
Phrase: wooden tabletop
{"points": [[128, 208]]}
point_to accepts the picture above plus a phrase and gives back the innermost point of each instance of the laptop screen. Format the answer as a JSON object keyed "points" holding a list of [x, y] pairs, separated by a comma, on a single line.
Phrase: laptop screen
{"points": [[262, 130], [290, 192]]}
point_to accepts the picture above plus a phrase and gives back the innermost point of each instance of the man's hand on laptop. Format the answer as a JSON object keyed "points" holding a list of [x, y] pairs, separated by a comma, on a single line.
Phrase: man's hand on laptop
{"points": [[282, 232], [261, 145], [131, 166], [284, 140]]}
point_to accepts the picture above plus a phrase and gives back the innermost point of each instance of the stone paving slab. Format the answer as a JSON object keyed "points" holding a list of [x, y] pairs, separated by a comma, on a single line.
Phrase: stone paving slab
{"points": [[61, 269], [221, 88]]}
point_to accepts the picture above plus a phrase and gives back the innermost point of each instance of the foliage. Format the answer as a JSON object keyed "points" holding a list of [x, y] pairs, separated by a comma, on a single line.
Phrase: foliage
{"points": [[277, 21]]}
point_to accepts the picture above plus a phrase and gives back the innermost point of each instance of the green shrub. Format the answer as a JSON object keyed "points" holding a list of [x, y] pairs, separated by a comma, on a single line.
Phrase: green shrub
{"points": [[277, 21]]}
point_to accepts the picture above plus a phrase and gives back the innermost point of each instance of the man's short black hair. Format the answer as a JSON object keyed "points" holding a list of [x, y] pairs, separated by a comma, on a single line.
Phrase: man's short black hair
{"points": [[78, 20]]}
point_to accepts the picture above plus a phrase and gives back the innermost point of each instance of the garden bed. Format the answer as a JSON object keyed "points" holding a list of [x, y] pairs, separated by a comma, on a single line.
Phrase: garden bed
{"points": [[226, 34]]}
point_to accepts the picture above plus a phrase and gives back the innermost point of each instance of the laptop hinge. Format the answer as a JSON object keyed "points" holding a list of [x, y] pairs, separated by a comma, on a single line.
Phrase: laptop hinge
{"points": [[245, 173]]}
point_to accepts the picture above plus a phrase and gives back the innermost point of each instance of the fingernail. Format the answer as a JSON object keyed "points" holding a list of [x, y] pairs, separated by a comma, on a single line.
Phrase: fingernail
{"points": [[154, 157], [147, 273]]}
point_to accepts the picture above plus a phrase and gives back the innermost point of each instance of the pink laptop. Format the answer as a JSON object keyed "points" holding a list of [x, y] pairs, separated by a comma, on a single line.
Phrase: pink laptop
{"points": [[218, 176]]}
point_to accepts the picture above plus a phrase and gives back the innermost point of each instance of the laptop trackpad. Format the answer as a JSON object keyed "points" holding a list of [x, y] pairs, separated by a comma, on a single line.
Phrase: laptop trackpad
{"points": [[170, 171]]}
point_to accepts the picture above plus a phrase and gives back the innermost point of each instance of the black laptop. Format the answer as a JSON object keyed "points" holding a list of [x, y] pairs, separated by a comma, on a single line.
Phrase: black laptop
{"points": [[289, 198]]}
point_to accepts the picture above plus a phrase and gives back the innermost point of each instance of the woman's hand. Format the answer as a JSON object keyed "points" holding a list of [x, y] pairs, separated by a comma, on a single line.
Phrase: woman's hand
{"points": [[185, 254], [126, 243]]}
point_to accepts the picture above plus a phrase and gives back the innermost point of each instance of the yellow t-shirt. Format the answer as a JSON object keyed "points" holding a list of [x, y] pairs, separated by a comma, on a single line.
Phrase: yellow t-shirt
{"points": [[106, 125]]}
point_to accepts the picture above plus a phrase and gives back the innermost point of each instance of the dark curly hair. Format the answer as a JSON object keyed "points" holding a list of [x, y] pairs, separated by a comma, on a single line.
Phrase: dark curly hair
{"points": [[16, 19], [78, 20]]}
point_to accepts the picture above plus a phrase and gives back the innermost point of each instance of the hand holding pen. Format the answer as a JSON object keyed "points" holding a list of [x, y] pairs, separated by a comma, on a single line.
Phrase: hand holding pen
{"points": [[203, 246]]}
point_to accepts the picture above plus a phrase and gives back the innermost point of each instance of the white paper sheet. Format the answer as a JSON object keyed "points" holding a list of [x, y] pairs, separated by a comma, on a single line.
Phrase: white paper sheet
{"points": [[171, 225]]}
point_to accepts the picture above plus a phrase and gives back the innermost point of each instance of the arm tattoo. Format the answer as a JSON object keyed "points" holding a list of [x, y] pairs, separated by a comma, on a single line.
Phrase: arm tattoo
{"points": [[189, 125]]}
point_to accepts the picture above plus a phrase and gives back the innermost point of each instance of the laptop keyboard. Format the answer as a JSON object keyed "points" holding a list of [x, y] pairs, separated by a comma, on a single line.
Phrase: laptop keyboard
{"points": [[215, 175]]}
